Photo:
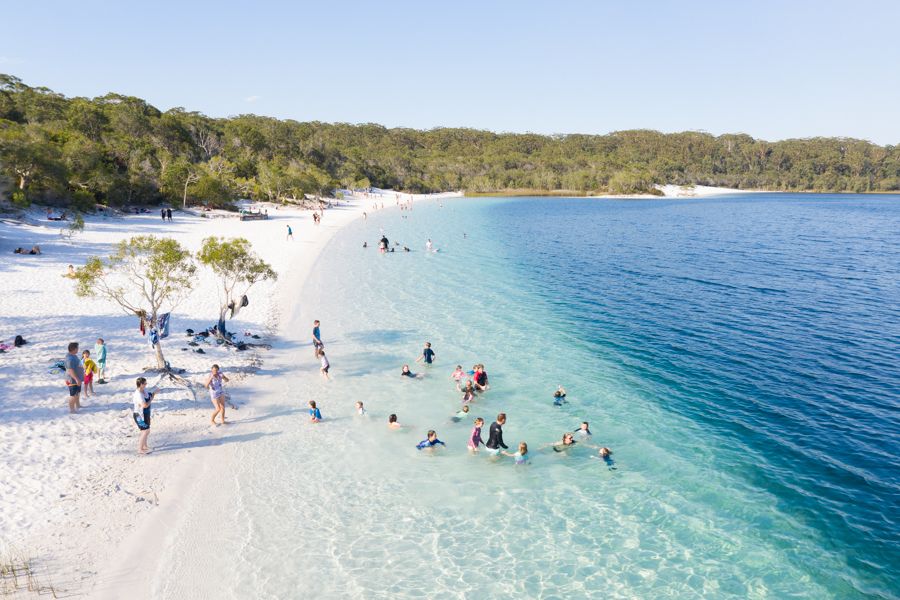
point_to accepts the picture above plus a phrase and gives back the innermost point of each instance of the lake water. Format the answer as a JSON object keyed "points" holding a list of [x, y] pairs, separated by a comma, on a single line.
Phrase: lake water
{"points": [[738, 354]]}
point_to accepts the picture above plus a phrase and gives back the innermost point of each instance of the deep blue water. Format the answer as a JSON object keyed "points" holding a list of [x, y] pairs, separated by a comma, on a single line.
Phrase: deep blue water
{"points": [[772, 322]]}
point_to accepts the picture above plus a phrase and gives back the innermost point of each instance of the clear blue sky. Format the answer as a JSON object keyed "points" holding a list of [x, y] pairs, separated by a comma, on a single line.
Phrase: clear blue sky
{"points": [[771, 69]]}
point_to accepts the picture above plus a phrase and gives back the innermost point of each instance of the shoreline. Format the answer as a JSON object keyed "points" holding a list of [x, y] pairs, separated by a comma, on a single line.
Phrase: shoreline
{"points": [[79, 493]]}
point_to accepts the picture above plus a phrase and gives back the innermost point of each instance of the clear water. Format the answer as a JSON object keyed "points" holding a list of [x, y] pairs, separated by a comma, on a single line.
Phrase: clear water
{"points": [[739, 355]]}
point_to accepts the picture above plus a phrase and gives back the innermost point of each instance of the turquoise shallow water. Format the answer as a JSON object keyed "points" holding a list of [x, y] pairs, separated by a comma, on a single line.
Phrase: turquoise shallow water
{"points": [[739, 355]]}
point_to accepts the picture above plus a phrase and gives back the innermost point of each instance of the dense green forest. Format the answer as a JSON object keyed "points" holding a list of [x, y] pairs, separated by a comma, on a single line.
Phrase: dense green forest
{"points": [[118, 150]]}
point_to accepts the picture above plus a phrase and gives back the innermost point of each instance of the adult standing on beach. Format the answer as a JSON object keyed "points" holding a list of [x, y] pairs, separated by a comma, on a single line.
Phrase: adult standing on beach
{"points": [[162, 213], [169, 214], [74, 377], [216, 393], [495, 435], [99, 355], [141, 414], [317, 339], [290, 233]]}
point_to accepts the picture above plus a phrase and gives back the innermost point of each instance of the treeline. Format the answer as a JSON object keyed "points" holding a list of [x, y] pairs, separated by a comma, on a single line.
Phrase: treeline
{"points": [[119, 150]]}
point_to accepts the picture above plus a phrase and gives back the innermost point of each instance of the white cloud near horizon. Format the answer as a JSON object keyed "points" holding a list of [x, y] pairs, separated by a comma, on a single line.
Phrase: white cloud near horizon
{"points": [[252, 99]]}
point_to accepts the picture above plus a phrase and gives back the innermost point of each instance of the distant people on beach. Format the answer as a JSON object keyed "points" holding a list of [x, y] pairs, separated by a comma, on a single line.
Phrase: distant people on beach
{"points": [[74, 377], [429, 247], [383, 244], [35, 249], [431, 440], [99, 355], [169, 214], [162, 214], [216, 393], [290, 233], [360, 409], [317, 338], [90, 368], [141, 413], [427, 354], [315, 416]]}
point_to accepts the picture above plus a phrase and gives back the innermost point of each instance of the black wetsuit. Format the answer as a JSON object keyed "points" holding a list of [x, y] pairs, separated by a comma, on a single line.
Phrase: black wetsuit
{"points": [[495, 437]]}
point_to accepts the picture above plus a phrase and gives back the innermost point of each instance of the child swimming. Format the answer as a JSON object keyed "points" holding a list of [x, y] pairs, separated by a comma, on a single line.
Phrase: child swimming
{"points": [[405, 372], [521, 456], [583, 430], [559, 396], [475, 437], [461, 414], [605, 454], [392, 422], [457, 375], [314, 415], [468, 392], [430, 441]]}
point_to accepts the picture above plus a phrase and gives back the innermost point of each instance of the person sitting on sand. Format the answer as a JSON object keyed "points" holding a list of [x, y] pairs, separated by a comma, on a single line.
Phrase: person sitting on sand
{"points": [[70, 272], [521, 456], [315, 416], [430, 441], [559, 396], [405, 372], [392, 422]]}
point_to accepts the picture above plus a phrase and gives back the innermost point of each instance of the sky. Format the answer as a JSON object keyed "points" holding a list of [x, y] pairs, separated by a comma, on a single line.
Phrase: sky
{"points": [[773, 70]]}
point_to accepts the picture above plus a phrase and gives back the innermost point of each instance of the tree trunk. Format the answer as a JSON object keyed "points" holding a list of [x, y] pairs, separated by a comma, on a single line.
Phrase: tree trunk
{"points": [[21, 182], [160, 359], [187, 182]]}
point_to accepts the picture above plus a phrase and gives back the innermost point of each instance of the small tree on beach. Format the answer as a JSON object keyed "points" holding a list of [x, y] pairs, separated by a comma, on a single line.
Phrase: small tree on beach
{"points": [[238, 268], [146, 276]]}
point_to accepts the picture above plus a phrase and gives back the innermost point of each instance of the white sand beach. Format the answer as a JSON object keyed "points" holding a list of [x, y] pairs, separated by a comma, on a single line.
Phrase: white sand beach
{"points": [[73, 486]]}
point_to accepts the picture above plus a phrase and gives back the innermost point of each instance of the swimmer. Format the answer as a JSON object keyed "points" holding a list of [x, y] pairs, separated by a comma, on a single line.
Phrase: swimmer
{"points": [[521, 456], [605, 455], [475, 437], [427, 354], [559, 396], [365, 244], [568, 442], [392, 422], [457, 375], [405, 249], [430, 441], [584, 430], [481, 378], [495, 435], [468, 392], [460, 414], [314, 415], [360, 409], [429, 246], [407, 373]]}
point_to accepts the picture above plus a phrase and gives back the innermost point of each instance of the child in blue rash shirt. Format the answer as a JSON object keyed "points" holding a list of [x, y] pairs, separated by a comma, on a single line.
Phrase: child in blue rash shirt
{"points": [[430, 442], [559, 396], [314, 415]]}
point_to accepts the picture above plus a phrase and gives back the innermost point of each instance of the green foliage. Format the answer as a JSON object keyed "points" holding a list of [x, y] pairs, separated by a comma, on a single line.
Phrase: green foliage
{"points": [[77, 225], [237, 266], [122, 150], [20, 198], [144, 276]]}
